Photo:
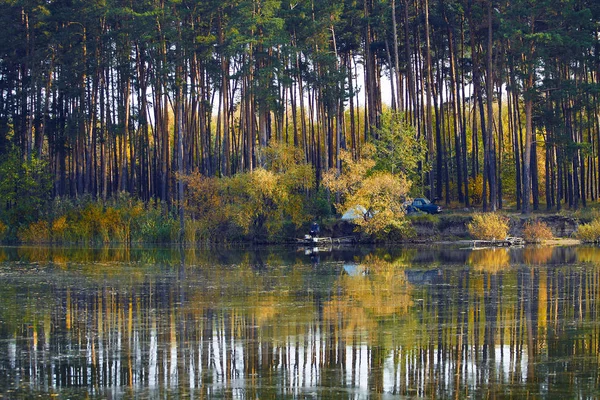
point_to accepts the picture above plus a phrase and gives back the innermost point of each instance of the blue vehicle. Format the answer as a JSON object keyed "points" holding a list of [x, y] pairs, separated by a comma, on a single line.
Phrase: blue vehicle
{"points": [[423, 204]]}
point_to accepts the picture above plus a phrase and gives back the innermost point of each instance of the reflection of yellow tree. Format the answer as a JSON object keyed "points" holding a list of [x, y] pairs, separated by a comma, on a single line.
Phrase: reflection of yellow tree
{"points": [[267, 301], [381, 292], [489, 260], [537, 256], [589, 254]]}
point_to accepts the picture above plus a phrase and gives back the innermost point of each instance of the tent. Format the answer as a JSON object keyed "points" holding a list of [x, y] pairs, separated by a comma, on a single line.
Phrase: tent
{"points": [[354, 213]]}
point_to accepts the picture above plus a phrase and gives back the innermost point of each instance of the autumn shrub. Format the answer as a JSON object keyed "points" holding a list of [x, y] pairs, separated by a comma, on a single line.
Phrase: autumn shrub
{"points": [[270, 204], [74, 221], [488, 226], [58, 228], [536, 232], [589, 232], [36, 232], [120, 220], [192, 232], [123, 217], [84, 224], [3, 231], [260, 204]]}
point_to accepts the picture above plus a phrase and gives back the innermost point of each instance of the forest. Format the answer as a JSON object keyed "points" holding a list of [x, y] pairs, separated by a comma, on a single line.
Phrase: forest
{"points": [[197, 106]]}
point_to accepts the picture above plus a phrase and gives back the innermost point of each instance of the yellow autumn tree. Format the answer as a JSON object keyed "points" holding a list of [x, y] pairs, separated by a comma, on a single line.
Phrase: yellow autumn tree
{"points": [[258, 202], [349, 179], [380, 193], [295, 176], [255, 200], [204, 203]]}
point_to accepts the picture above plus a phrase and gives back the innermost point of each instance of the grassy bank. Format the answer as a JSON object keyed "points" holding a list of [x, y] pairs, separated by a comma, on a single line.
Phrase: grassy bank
{"points": [[126, 220]]}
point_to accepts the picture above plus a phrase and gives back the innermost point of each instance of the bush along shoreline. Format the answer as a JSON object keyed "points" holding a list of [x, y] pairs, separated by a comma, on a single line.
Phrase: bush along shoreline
{"points": [[129, 221]]}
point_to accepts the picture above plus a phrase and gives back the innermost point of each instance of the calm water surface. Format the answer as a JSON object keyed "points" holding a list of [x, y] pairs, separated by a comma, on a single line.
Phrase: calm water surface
{"points": [[282, 323]]}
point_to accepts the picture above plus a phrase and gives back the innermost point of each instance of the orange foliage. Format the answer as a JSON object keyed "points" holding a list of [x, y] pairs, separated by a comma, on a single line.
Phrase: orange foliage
{"points": [[535, 232]]}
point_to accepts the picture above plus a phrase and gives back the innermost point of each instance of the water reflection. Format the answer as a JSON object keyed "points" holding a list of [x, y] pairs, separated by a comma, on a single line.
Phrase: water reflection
{"points": [[275, 324]]}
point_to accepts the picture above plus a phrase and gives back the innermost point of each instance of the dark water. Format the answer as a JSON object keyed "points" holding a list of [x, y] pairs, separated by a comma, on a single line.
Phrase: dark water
{"points": [[279, 323]]}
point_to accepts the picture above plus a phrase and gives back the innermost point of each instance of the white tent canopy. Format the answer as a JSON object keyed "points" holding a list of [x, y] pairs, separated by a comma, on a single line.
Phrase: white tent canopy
{"points": [[354, 213]]}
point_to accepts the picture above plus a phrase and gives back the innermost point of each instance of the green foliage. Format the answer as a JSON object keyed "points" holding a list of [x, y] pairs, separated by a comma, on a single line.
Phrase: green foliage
{"points": [[156, 227], [426, 219], [585, 215], [25, 190], [319, 204], [488, 226], [397, 148]]}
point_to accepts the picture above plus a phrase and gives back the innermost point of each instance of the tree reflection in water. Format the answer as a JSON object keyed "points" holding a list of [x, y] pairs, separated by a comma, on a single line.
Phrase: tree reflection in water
{"points": [[427, 323]]}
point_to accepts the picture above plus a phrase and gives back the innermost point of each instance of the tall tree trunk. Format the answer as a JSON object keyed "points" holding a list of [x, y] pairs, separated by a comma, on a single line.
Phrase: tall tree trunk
{"points": [[428, 90], [397, 74], [528, 139], [409, 70], [490, 148], [456, 119]]}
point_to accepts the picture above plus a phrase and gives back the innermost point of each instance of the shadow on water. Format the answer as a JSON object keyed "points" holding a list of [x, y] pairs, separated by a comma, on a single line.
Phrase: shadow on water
{"points": [[288, 323]]}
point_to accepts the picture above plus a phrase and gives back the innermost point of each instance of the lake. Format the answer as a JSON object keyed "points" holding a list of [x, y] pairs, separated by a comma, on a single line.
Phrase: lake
{"points": [[275, 323]]}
